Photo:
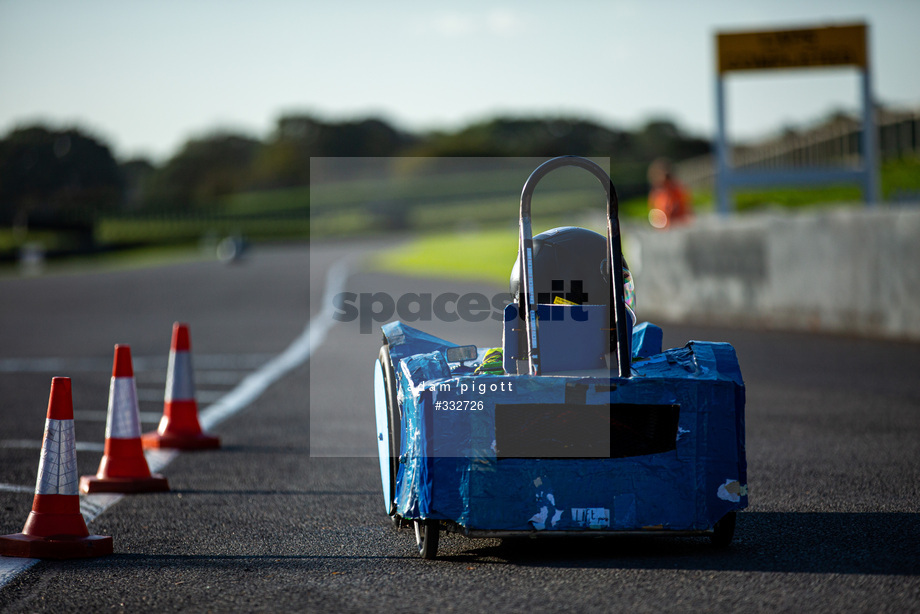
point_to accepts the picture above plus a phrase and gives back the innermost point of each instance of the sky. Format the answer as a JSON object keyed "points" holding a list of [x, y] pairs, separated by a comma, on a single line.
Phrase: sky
{"points": [[147, 76]]}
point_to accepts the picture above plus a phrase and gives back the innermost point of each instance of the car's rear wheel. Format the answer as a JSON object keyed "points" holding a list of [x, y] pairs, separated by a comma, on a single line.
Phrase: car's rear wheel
{"points": [[427, 534]]}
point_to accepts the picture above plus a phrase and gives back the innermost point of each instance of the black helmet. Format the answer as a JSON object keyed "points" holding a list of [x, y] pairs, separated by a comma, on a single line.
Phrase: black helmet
{"points": [[567, 261]]}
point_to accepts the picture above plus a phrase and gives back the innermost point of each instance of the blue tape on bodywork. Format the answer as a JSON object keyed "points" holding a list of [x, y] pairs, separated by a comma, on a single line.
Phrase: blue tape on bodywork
{"points": [[646, 340], [451, 468]]}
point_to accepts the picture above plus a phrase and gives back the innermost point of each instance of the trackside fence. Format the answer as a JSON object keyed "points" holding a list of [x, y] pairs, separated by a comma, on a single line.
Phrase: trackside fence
{"points": [[835, 143]]}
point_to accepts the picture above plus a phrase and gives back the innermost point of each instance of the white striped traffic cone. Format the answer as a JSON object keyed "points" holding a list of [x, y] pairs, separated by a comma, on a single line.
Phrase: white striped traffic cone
{"points": [[55, 529], [123, 468], [179, 426]]}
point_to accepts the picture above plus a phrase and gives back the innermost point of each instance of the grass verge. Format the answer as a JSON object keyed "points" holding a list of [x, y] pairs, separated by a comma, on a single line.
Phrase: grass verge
{"points": [[485, 256]]}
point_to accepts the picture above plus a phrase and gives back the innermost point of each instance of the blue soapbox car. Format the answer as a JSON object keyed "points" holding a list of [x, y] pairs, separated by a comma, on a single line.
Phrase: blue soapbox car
{"points": [[587, 427]]}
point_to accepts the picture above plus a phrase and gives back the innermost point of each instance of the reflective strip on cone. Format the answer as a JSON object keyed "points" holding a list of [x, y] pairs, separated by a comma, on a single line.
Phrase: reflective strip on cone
{"points": [[179, 383], [123, 420], [57, 469]]}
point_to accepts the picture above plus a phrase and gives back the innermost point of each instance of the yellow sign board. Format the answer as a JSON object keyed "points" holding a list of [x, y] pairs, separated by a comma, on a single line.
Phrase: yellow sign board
{"points": [[811, 47]]}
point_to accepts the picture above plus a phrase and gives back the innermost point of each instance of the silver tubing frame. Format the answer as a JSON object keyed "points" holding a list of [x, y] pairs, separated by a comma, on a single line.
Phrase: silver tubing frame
{"points": [[527, 305]]}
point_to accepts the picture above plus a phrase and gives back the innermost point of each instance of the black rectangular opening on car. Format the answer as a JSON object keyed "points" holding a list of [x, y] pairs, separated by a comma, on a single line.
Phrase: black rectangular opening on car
{"points": [[573, 430]]}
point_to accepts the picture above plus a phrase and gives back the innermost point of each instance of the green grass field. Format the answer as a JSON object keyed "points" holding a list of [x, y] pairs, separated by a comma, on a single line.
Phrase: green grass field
{"points": [[479, 256]]}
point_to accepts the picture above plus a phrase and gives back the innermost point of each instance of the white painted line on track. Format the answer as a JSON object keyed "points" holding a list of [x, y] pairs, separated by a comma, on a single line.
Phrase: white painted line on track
{"points": [[156, 395], [217, 378], [36, 444], [12, 567], [248, 390], [53, 365], [16, 488], [142, 364], [99, 415]]}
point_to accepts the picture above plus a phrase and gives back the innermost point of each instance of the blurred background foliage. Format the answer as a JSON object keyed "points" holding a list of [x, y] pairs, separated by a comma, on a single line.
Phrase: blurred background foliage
{"points": [[65, 189]]}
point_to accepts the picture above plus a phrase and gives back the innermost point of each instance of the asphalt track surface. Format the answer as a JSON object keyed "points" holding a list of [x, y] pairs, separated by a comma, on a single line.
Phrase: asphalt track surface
{"points": [[288, 515]]}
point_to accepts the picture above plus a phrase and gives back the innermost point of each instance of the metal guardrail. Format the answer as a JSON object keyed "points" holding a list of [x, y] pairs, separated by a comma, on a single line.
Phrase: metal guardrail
{"points": [[836, 144]]}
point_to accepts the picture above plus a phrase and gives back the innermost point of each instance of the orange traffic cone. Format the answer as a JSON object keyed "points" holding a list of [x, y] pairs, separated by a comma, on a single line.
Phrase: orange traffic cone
{"points": [[179, 426], [55, 529], [123, 468]]}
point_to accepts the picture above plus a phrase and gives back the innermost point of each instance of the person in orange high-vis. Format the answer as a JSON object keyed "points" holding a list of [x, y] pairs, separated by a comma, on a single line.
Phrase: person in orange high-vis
{"points": [[668, 200]]}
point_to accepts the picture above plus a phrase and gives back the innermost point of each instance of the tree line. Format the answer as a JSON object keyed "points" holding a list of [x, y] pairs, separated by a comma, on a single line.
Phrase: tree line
{"points": [[68, 177]]}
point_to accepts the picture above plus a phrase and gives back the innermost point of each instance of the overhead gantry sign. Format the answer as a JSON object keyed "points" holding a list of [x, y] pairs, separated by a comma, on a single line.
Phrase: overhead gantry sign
{"points": [[844, 45]]}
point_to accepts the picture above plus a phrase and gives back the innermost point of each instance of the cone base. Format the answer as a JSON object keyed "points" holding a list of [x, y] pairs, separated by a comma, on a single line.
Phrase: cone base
{"points": [[26, 546], [198, 441], [92, 484]]}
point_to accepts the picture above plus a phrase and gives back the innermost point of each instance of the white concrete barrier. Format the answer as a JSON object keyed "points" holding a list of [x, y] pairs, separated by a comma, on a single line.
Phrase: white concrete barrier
{"points": [[844, 270]]}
